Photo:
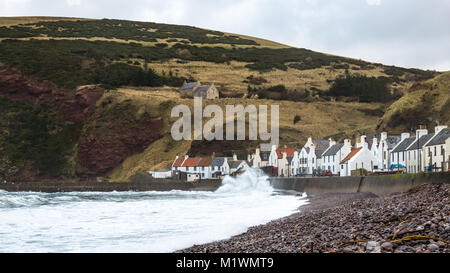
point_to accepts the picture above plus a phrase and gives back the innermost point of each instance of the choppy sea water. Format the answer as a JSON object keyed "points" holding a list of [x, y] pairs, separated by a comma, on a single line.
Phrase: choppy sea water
{"points": [[138, 221]]}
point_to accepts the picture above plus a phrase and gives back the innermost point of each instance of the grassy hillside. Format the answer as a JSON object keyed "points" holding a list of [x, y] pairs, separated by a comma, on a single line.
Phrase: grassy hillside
{"points": [[141, 65], [426, 103]]}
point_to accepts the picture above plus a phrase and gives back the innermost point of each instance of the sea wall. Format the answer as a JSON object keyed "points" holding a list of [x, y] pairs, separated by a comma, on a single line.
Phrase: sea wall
{"points": [[155, 185], [379, 185]]}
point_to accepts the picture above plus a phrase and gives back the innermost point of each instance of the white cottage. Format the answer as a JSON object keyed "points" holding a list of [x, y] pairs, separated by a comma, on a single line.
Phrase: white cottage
{"points": [[436, 153], [358, 158], [398, 154], [334, 155], [414, 153]]}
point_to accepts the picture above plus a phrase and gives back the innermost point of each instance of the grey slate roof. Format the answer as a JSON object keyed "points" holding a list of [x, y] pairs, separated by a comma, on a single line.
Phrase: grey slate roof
{"points": [[218, 162], [333, 149], [321, 146], [422, 140], [369, 140], [440, 138], [403, 145], [307, 149], [189, 85], [234, 163], [392, 141], [201, 91]]}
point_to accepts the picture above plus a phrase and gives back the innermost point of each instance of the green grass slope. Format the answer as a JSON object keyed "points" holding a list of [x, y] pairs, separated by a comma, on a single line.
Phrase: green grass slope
{"points": [[427, 103]]}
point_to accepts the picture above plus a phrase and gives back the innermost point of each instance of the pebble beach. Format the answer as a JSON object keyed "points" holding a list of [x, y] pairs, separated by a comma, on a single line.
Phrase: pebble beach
{"points": [[416, 221]]}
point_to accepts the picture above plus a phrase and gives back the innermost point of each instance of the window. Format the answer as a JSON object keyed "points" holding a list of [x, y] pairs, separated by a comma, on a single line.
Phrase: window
{"points": [[434, 150], [313, 160]]}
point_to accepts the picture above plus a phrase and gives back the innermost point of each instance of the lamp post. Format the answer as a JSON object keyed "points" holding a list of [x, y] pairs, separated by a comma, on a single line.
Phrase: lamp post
{"points": [[418, 154]]}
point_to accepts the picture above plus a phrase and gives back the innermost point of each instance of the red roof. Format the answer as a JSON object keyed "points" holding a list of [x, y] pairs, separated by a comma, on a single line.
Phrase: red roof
{"points": [[351, 154], [205, 162], [178, 162], [191, 162], [289, 152]]}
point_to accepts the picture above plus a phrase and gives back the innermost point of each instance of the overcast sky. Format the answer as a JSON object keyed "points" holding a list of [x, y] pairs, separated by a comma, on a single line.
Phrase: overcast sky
{"points": [[407, 33]]}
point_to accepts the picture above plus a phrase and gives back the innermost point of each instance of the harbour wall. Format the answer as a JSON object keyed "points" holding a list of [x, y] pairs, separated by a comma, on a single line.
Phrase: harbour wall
{"points": [[154, 185], [379, 185]]}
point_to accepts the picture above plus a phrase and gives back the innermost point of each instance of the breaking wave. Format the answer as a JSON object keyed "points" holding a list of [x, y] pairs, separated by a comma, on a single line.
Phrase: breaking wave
{"points": [[139, 221]]}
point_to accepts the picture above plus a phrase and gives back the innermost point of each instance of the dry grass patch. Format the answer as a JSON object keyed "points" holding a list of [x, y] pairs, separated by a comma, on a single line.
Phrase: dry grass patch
{"points": [[16, 20]]}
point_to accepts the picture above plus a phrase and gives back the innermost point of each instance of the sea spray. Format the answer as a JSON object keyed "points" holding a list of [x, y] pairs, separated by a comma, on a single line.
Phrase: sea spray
{"points": [[139, 221], [252, 180]]}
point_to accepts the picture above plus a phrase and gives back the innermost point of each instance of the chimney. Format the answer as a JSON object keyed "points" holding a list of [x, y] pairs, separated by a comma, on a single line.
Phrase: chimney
{"points": [[383, 136], [284, 155], [213, 155], [257, 151], [360, 143], [439, 127], [421, 131], [309, 142], [332, 142], [404, 136], [235, 157], [347, 142], [357, 139]]}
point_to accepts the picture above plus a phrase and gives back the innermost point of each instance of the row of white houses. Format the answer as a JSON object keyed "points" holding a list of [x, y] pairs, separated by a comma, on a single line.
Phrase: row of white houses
{"points": [[421, 152], [411, 153]]}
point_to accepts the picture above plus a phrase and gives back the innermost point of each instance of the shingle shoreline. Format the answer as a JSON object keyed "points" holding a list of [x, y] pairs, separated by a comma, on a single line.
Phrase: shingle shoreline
{"points": [[415, 221]]}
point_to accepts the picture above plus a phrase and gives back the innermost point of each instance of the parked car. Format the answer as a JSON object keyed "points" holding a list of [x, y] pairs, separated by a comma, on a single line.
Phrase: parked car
{"points": [[327, 173]]}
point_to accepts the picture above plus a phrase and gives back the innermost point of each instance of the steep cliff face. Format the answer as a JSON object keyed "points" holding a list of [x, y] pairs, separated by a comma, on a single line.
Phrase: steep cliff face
{"points": [[109, 138], [79, 138], [76, 106]]}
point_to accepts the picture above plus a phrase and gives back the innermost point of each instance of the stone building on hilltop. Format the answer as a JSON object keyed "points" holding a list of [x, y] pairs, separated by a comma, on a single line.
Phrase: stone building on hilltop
{"points": [[195, 89]]}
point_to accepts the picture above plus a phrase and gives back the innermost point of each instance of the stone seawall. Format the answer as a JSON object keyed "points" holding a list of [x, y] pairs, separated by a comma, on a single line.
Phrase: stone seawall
{"points": [[165, 185], [379, 185]]}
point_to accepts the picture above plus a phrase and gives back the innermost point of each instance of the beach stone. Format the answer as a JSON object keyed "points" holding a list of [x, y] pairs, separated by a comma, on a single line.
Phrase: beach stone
{"points": [[406, 249], [373, 247], [387, 246], [433, 247], [348, 250]]}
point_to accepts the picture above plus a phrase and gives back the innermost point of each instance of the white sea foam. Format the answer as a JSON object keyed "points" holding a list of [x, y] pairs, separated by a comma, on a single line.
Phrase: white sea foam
{"points": [[138, 221]]}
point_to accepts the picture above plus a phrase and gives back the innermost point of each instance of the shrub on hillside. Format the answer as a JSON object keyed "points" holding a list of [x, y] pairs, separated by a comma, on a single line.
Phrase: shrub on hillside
{"points": [[366, 89]]}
